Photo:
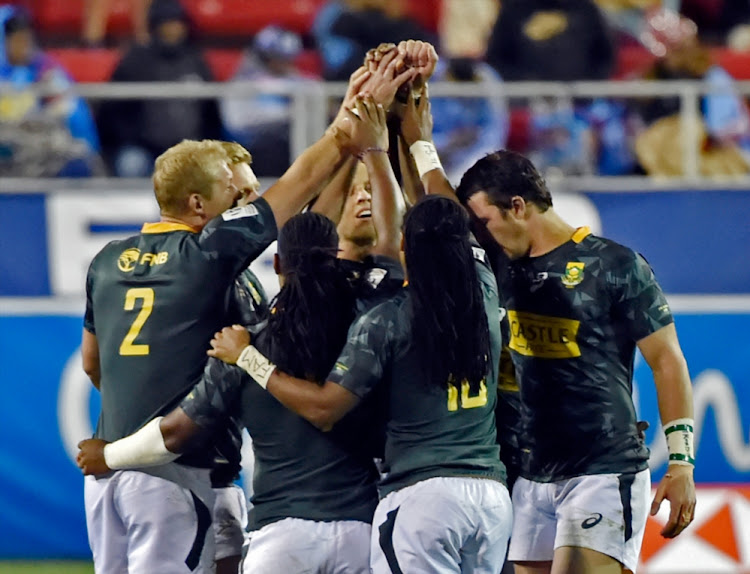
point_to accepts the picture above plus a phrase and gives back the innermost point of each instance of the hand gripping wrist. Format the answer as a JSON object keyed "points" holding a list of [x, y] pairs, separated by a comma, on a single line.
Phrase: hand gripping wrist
{"points": [[425, 156], [143, 448], [253, 362], [679, 433]]}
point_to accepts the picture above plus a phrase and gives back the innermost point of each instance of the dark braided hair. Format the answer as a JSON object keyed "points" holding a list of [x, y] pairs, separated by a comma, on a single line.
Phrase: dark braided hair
{"points": [[312, 312], [450, 327]]}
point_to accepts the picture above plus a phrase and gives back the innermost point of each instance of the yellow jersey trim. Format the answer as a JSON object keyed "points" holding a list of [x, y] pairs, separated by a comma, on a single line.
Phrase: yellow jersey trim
{"points": [[165, 227], [580, 234]]}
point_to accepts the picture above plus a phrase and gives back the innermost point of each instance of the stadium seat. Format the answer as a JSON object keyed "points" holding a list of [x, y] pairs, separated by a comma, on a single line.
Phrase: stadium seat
{"points": [[87, 65], [245, 18], [57, 17], [223, 63]]}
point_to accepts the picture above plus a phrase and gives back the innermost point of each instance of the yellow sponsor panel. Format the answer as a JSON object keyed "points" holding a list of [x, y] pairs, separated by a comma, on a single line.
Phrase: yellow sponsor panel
{"points": [[545, 337]]}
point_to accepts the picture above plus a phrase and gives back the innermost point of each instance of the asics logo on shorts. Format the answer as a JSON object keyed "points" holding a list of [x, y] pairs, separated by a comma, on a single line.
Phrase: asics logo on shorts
{"points": [[591, 521]]}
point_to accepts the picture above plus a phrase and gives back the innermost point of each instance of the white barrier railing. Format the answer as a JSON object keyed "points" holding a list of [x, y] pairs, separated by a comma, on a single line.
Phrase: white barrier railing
{"points": [[310, 101]]}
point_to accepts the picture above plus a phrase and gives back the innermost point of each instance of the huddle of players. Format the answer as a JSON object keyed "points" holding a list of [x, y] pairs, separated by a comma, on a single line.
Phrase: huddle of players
{"points": [[418, 368]]}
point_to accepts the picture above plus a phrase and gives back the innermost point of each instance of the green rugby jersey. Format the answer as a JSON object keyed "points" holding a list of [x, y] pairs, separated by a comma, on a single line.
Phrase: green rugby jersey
{"points": [[575, 315], [300, 472], [430, 431], [154, 301], [248, 306]]}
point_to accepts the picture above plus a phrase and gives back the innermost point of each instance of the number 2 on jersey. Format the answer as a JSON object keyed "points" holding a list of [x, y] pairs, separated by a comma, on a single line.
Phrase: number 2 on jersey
{"points": [[127, 347], [467, 402]]}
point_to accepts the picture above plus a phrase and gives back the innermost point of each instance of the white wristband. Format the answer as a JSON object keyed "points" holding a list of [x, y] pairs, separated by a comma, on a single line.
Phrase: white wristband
{"points": [[253, 362], [142, 448], [679, 434], [425, 156]]}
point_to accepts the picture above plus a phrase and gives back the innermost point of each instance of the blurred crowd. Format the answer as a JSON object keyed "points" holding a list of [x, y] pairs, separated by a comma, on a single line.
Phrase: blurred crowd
{"points": [[47, 131]]}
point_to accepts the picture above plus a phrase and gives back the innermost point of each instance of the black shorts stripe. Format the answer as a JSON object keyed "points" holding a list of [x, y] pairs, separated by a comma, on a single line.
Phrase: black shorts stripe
{"points": [[204, 523], [626, 491], [386, 541]]}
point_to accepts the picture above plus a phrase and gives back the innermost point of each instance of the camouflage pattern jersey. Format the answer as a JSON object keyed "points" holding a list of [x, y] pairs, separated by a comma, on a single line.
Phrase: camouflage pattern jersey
{"points": [[575, 315]]}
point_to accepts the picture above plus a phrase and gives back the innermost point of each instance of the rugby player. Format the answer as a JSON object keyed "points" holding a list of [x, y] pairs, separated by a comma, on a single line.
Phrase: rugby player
{"points": [[140, 298], [444, 504], [578, 306]]}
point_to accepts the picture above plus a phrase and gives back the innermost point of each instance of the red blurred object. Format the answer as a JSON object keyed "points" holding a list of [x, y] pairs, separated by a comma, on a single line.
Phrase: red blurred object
{"points": [[246, 17], [57, 17], [87, 65]]}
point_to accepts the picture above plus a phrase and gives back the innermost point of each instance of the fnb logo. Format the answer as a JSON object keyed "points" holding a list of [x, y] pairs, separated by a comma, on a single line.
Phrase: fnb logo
{"points": [[131, 257]]}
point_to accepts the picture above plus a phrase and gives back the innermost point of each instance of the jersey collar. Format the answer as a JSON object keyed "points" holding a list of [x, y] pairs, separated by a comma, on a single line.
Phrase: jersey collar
{"points": [[166, 227], [580, 234]]}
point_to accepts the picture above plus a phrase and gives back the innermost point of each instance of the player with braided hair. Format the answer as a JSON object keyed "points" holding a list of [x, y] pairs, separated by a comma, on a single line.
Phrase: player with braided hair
{"points": [[444, 505]]}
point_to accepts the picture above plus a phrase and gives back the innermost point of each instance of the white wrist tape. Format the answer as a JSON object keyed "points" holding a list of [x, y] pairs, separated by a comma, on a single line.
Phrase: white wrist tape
{"points": [[143, 448], [256, 365], [679, 434], [425, 156]]}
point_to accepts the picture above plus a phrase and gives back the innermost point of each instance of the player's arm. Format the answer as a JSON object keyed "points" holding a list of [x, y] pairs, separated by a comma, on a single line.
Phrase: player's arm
{"points": [[640, 304], [662, 352], [388, 205], [163, 439], [90, 357], [416, 129], [158, 442], [302, 182], [331, 200]]}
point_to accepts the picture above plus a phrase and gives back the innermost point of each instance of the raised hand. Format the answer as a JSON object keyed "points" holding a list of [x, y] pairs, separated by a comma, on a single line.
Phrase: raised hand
{"points": [[386, 76], [367, 126], [416, 123], [421, 56], [227, 345], [90, 457], [678, 488]]}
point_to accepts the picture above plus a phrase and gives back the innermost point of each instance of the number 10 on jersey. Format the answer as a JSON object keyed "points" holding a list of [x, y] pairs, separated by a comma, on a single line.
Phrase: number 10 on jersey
{"points": [[467, 402]]}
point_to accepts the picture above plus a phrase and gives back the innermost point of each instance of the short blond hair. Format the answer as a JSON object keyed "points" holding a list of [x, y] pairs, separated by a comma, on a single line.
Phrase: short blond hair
{"points": [[186, 168], [236, 153]]}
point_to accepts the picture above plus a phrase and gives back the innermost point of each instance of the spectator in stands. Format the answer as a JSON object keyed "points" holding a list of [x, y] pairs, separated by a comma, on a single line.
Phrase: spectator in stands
{"points": [[134, 132], [724, 132], [345, 29], [96, 14], [45, 134], [467, 129], [551, 40], [465, 26], [261, 123]]}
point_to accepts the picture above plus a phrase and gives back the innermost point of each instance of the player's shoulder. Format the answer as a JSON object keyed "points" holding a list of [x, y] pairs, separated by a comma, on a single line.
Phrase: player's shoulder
{"points": [[122, 251], [609, 250]]}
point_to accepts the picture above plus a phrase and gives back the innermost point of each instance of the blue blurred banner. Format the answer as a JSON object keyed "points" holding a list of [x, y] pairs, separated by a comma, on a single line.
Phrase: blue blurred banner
{"points": [[50, 404], [696, 241]]}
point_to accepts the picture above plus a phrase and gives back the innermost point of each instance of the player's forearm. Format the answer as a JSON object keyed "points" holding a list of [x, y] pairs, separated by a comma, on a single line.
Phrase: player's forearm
{"points": [[387, 203], [303, 180], [413, 188], [143, 448], [675, 394], [331, 200], [304, 398]]}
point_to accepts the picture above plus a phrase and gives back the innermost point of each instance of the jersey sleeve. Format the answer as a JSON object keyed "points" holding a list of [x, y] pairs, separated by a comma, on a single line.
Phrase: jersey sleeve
{"points": [[638, 299], [367, 353], [88, 316], [240, 235], [209, 402]]}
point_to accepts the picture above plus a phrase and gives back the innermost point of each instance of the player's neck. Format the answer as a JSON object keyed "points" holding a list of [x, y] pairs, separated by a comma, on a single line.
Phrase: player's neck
{"points": [[352, 251], [548, 231], [195, 221]]}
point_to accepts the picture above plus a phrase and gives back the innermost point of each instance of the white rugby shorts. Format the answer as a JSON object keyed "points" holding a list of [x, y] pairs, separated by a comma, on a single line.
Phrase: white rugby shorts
{"points": [[603, 512]]}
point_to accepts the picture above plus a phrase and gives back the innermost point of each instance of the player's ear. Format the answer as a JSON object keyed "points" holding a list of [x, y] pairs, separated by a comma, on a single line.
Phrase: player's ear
{"points": [[195, 203], [518, 207], [276, 264]]}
